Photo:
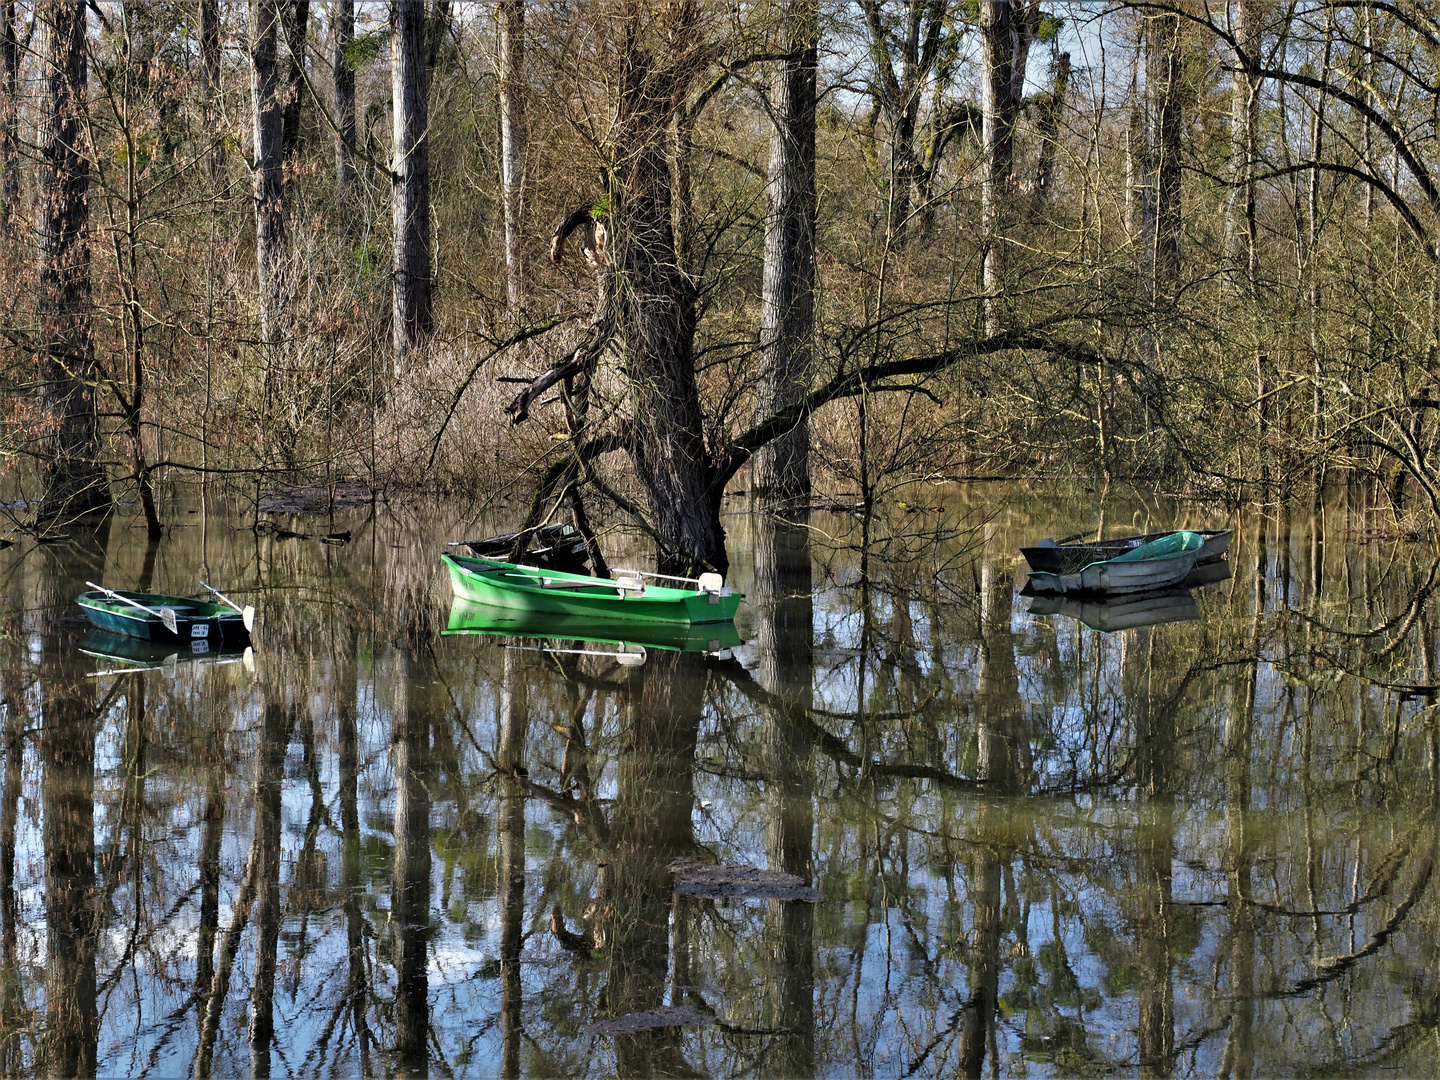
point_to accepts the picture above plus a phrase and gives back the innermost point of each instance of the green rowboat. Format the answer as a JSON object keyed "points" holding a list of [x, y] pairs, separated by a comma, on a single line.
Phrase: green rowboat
{"points": [[630, 596], [143, 617]]}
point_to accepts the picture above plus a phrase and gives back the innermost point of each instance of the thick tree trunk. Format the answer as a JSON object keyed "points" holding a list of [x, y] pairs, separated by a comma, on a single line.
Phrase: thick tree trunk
{"points": [[9, 119], [510, 17], [344, 75], [75, 481], [413, 316], [657, 304], [268, 172], [295, 15], [1161, 237], [1006, 29], [210, 86], [787, 300]]}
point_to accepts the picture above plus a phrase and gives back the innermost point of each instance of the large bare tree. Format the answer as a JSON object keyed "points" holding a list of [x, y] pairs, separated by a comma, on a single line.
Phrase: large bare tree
{"points": [[268, 171], [510, 73], [343, 70], [413, 313], [9, 116], [787, 298], [75, 480], [1007, 28]]}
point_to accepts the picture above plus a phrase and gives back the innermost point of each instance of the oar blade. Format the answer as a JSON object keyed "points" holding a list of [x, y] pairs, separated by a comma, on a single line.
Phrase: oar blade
{"points": [[248, 617], [167, 616]]}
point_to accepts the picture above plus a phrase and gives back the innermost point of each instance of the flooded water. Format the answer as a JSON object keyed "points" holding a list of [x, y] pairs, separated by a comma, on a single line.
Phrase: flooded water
{"points": [[994, 841]]}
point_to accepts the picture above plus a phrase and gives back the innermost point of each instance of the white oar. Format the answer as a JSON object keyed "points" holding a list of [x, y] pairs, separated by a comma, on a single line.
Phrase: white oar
{"points": [[247, 613], [167, 616]]}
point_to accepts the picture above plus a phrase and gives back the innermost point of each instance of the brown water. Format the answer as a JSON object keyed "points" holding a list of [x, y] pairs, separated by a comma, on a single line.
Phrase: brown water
{"points": [[1204, 847]]}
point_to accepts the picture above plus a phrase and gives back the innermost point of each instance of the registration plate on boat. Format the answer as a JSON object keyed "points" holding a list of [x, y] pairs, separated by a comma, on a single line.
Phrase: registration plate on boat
{"points": [[199, 629]]}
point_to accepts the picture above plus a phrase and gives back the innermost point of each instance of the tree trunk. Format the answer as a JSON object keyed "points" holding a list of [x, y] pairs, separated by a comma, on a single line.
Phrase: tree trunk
{"points": [[657, 303], [210, 86], [1240, 235], [1006, 29], [9, 118], [344, 73], [1162, 145], [1049, 126], [413, 316], [900, 98], [295, 17], [510, 17], [268, 172], [787, 301], [75, 481]]}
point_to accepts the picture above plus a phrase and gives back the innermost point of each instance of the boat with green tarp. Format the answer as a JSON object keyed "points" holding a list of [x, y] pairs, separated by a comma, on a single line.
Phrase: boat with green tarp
{"points": [[143, 615], [631, 595], [1156, 565]]}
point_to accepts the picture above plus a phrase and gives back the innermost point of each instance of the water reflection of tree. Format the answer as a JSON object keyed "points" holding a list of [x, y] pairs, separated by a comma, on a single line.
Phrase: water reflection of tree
{"points": [[1040, 846]]}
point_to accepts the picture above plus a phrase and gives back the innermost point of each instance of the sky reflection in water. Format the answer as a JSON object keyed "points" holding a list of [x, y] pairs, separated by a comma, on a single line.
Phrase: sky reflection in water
{"points": [[1204, 847]]}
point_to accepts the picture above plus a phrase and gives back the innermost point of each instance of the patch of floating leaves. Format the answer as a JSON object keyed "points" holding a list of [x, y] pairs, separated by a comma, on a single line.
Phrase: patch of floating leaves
{"points": [[726, 882], [663, 1017]]}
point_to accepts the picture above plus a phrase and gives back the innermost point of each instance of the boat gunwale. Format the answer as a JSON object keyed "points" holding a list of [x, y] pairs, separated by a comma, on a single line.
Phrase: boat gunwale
{"points": [[609, 588], [186, 608]]}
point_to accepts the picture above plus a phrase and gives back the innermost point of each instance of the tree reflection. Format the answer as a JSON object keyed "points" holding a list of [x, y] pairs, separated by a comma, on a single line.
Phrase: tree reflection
{"points": [[67, 792], [410, 890], [784, 632]]}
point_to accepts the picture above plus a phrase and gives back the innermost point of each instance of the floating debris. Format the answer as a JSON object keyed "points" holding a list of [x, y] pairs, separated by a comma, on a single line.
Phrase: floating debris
{"points": [[725, 882], [664, 1017]]}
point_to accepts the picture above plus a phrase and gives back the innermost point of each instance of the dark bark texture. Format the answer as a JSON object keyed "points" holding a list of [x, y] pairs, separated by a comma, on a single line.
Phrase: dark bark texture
{"points": [[657, 303], [1006, 29], [413, 314], [1165, 115], [9, 117], [510, 18], [269, 180], [295, 15], [787, 301], [344, 76], [75, 481], [210, 85]]}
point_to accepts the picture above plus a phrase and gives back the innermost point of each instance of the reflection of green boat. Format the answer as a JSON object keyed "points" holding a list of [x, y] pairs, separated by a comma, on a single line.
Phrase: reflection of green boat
{"points": [[136, 654], [467, 617], [629, 596]]}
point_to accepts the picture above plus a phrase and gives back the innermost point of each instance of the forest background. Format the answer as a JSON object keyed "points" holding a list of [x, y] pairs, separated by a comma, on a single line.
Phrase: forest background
{"points": [[609, 255]]}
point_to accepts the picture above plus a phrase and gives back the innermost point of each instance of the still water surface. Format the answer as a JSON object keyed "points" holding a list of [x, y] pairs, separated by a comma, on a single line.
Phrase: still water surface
{"points": [[1204, 847]]}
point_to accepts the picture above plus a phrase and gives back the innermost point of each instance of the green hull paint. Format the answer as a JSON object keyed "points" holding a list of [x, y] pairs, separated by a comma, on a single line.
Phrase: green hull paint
{"points": [[194, 619], [519, 588], [468, 617]]}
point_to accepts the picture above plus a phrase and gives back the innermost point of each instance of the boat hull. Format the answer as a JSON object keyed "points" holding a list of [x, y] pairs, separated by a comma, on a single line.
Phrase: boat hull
{"points": [[194, 619], [469, 617], [519, 588], [1156, 565], [1070, 558]]}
